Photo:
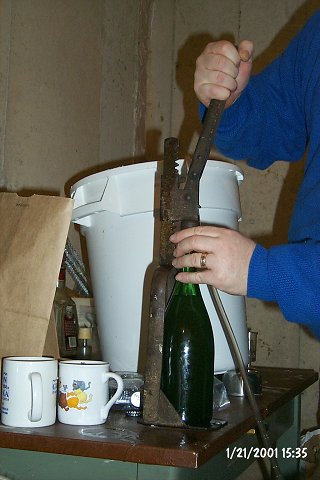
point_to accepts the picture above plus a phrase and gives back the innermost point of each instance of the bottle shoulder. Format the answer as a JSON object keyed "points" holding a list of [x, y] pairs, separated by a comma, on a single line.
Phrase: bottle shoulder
{"points": [[188, 319], [186, 289], [189, 305]]}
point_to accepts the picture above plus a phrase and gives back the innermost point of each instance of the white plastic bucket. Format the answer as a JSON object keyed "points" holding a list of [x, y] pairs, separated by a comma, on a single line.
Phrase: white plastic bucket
{"points": [[118, 210]]}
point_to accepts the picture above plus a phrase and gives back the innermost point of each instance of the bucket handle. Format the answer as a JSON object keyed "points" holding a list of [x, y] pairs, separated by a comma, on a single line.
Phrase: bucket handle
{"points": [[85, 211], [84, 208]]}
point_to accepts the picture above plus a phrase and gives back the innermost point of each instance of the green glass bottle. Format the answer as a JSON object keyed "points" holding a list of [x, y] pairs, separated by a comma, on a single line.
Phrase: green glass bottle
{"points": [[188, 355]]}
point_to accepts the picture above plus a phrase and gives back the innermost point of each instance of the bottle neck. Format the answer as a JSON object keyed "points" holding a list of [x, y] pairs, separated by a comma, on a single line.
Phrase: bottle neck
{"points": [[62, 278], [186, 288]]}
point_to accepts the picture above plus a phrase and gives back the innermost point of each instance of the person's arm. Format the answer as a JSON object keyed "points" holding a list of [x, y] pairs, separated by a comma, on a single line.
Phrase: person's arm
{"points": [[286, 274], [267, 122], [270, 120], [289, 276]]}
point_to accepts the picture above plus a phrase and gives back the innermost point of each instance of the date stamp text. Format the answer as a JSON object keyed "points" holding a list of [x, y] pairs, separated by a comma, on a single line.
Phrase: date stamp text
{"points": [[262, 452]]}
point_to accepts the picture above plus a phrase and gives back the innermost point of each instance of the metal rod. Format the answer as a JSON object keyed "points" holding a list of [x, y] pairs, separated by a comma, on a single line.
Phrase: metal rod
{"points": [[234, 348]]}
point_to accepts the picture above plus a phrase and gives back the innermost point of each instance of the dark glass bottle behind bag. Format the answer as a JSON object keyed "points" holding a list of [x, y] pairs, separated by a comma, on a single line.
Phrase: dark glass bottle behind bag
{"points": [[65, 312], [188, 355]]}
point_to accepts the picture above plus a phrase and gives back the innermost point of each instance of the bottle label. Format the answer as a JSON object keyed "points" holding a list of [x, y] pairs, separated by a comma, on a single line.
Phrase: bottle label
{"points": [[70, 329], [135, 399]]}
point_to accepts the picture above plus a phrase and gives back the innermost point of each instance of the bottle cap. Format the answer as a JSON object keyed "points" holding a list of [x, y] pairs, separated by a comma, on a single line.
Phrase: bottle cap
{"points": [[84, 333]]}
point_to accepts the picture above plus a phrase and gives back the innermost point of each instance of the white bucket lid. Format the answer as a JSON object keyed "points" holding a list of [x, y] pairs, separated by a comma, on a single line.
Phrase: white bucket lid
{"points": [[130, 189]]}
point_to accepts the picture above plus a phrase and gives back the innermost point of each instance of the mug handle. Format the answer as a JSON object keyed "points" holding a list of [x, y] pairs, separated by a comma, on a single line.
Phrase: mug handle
{"points": [[115, 396], [35, 414]]}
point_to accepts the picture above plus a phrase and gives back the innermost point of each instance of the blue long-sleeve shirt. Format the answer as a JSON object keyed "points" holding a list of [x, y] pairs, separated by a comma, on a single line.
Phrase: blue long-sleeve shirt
{"points": [[277, 117]]}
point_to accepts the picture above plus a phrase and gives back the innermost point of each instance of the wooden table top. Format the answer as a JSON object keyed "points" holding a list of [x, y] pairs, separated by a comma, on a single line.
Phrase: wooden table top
{"points": [[125, 439]]}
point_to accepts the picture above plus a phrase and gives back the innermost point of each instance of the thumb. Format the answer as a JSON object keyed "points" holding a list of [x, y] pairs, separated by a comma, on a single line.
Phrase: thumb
{"points": [[245, 50]]}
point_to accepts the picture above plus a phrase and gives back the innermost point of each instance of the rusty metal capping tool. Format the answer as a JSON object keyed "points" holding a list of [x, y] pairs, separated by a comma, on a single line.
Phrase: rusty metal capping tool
{"points": [[177, 202]]}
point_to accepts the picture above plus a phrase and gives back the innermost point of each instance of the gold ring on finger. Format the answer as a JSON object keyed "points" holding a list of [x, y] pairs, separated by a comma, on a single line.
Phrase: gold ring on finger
{"points": [[203, 260]]}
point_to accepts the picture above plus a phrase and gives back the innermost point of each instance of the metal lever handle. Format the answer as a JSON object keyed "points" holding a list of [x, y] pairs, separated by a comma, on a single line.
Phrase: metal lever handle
{"points": [[205, 142]]}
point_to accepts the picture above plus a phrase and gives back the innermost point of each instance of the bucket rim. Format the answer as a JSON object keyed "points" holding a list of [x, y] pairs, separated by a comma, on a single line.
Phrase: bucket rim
{"points": [[136, 167]]}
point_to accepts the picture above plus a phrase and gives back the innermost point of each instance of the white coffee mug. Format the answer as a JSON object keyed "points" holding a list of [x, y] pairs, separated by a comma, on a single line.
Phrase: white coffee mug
{"points": [[29, 391], [83, 397]]}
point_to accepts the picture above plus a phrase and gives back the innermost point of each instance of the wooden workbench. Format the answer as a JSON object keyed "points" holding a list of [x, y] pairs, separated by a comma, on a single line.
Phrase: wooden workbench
{"points": [[123, 448]]}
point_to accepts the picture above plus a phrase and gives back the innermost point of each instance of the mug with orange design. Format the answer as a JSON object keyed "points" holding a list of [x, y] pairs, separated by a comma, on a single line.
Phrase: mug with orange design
{"points": [[83, 396]]}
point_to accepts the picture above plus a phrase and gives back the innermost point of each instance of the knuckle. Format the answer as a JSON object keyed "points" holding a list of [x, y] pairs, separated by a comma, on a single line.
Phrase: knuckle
{"points": [[228, 49], [193, 242], [225, 231], [221, 62], [199, 230], [194, 259], [225, 44], [220, 78], [198, 277], [210, 47], [199, 61]]}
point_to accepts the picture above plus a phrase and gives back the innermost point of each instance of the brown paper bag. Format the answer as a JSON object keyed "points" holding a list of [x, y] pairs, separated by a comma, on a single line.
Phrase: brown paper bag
{"points": [[33, 233]]}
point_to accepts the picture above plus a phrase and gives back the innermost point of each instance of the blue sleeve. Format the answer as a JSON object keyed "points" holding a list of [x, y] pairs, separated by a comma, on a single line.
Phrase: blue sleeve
{"points": [[275, 118], [289, 275], [268, 120]]}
